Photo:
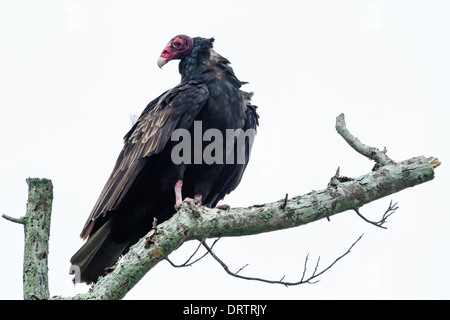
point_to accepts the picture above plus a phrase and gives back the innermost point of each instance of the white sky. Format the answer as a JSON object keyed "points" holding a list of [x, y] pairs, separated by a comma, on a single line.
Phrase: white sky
{"points": [[71, 73]]}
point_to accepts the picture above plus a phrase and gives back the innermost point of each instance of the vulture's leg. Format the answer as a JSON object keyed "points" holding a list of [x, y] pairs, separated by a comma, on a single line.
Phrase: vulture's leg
{"points": [[178, 196], [193, 203]]}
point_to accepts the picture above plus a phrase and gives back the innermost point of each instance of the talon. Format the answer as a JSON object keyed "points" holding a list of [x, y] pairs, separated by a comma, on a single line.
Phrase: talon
{"points": [[225, 207], [193, 204], [198, 198]]}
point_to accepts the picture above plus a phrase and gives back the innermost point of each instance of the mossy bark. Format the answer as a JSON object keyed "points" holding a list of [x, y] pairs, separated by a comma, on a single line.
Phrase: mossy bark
{"points": [[37, 234], [36, 224]]}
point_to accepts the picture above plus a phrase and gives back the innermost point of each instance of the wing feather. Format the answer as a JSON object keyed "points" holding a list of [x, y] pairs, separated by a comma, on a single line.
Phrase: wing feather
{"points": [[231, 175], [176, 108]]}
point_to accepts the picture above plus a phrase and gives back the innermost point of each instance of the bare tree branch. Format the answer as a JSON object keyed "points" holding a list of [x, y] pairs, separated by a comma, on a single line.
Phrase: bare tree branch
{"points": [[188, 262], [21, 220], [372, 153], [311, 279], [389, 211]]}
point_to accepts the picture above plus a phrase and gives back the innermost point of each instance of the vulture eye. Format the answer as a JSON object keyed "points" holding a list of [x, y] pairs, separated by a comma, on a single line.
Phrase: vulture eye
{"points": [[176, 44]]}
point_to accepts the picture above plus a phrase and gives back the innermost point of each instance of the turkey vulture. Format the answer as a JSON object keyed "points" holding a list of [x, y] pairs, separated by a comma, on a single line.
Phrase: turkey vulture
{"points": [[146, 182]]}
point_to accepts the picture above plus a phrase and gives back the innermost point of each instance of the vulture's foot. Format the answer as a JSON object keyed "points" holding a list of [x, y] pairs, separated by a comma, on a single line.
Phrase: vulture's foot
{"points": [[225, 207], [193, 203]]}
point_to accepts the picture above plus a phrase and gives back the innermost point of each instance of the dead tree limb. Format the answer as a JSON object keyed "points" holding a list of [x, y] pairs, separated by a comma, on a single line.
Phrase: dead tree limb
{"points": [[389, 211], [313, 278], [37, 232]]}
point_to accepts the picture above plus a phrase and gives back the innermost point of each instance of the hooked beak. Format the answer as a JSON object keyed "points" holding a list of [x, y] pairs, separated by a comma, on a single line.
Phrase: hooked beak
{"points": [[161, 62], [166, 56]]}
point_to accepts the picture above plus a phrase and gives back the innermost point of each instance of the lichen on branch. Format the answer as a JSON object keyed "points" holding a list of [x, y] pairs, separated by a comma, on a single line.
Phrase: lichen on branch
{"points": [[37, 233]]}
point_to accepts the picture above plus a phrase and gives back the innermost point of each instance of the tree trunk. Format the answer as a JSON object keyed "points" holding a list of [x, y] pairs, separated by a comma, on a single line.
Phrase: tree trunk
{"points": [[37, 232]]}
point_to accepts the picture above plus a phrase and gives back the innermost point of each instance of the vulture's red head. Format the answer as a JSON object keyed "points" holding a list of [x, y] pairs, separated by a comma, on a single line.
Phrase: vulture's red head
{"points": [[178, 48]]}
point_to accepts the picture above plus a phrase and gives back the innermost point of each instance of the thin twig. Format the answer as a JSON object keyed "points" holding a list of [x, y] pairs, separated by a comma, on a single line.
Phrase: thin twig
{"points": [[187, 263], [283, 206], [311, 280], [242, 268], [389, 211]]}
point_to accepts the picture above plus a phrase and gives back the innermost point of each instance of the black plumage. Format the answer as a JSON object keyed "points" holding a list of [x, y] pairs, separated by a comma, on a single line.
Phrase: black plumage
{"points": [[145, 182]]}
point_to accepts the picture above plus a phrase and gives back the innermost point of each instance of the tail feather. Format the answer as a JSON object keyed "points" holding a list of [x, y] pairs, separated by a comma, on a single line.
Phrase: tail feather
{"points": [[99, 252]]}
